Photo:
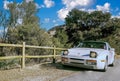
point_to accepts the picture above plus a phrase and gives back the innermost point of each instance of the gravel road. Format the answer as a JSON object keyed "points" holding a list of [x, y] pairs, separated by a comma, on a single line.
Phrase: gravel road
{"points": [[112, 74], [44, 72], [55, 72]]}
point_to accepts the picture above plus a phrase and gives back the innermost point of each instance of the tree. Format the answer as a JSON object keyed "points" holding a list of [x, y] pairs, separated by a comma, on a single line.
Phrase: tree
{"points": [[28, 29], [62, 37], [3, 25], [82, 25], [29, 24], [29, 21], [75, 21], [13, 14], [114, 38], [98, 18]]}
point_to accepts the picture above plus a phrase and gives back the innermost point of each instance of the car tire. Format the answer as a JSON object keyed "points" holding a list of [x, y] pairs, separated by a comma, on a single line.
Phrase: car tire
{"points": [[112, 65]]}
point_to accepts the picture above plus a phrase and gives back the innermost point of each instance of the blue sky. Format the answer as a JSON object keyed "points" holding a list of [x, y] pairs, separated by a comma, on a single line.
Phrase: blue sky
{"points": [[53, 12]]}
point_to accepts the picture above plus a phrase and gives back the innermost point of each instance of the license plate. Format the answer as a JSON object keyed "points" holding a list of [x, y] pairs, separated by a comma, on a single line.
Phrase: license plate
{"points": [[77, 61]]}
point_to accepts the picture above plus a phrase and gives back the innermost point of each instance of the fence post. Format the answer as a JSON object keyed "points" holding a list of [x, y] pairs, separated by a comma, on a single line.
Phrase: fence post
{"points": [[23, 55], [54, 52]]}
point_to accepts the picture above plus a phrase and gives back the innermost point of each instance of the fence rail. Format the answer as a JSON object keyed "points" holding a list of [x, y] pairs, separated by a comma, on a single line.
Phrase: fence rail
{"points": [[24, 56]]}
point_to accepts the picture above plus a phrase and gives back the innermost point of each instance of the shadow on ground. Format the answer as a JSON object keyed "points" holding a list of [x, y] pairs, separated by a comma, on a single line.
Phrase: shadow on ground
{"points": [[60, 66]]}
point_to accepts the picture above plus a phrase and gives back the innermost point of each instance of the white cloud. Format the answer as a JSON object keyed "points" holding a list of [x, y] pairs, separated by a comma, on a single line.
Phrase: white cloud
{"points": [[27, 1], [47, 20], [5, 6], [91, 10], [77, 3], [70, 4], [39, 6], [63, 13], [104, 8], [49, 3]]}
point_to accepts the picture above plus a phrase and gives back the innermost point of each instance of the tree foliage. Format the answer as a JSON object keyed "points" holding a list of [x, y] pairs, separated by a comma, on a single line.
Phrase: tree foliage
{"points": [[3, 25], [97, 25], [23, 26], [63, 38], [28, 29], [91, 25]]}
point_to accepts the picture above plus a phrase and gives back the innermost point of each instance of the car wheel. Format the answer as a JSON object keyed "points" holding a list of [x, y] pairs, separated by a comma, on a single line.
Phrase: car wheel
{"points": [[111, 65]]}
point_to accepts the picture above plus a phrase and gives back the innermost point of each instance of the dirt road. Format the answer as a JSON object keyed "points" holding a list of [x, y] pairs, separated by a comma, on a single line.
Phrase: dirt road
{"points": [[44, 72], [55, 72], [112, 74]]}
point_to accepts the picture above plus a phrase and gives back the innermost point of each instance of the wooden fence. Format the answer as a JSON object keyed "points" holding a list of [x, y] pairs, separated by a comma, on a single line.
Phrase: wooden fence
{"points": [[24, 56]]}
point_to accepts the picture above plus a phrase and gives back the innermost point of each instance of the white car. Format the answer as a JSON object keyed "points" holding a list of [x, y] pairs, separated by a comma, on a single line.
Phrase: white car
{"points": [[91, 55]]}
